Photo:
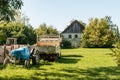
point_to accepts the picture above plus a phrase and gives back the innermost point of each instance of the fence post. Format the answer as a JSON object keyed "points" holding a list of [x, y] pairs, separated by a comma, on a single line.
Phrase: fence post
{"points": [[4, 51]]}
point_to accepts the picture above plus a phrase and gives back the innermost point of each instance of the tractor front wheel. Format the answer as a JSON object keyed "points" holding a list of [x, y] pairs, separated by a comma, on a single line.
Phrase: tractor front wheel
{"points": [[27, 63]]}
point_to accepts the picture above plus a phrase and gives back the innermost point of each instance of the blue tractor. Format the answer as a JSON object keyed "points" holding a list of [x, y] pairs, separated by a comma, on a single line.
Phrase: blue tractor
{"points": [[22, 56]]}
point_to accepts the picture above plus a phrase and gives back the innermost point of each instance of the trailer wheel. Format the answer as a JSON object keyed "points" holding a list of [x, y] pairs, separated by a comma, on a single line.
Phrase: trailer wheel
{"points": [[27, 63], [5, 62], [38, 59], [59, 55], [35, 59]]}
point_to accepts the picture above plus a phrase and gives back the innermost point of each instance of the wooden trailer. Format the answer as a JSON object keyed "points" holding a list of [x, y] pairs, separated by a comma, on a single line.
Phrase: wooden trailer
{"points": [[48, 47]]}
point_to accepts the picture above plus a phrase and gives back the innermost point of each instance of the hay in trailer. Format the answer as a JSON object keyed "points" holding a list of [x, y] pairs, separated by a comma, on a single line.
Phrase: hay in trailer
{"points": [[48, 40], [48, 43]]}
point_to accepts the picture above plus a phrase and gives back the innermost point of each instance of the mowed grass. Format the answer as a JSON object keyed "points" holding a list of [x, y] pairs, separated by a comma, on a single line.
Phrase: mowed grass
{"points": [[75, 64]]}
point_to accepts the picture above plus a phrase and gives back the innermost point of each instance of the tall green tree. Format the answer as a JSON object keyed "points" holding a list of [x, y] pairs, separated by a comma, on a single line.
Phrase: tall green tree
{"points": [[43, 29], [19, 29], [2, 37], [81, 22], [113, 27], [8, 9], [30, 35], [25, 34], [98, 34]]}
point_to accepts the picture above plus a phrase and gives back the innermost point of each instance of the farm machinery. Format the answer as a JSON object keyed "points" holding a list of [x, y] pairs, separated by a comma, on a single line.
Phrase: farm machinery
{"points": [[48, 47], [18, 54], [22, 56]]}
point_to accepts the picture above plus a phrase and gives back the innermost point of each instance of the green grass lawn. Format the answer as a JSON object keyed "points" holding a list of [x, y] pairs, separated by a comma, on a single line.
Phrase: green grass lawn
{"points": [[75, 64]]}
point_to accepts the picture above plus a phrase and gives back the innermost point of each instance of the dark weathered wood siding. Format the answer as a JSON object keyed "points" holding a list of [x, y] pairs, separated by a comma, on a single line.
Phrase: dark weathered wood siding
{"points": [[74, 27]]}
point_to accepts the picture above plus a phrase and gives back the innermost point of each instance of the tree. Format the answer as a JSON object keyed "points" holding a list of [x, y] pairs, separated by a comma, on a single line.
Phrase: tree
{"points": [[43, 29], [19, 29], [52, 30], [98, 34], [116, 53], [2, 37], [8, 9], [30, 35], [81, 22], [25, 34], [114, 28]]}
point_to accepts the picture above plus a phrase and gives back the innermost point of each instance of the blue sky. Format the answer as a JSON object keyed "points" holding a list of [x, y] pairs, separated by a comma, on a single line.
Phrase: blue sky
{"points": [[59, 13]]}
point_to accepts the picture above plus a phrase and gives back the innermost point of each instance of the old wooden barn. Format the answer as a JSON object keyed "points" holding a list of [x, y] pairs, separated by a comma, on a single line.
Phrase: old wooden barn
{"points": [[73, 33]]}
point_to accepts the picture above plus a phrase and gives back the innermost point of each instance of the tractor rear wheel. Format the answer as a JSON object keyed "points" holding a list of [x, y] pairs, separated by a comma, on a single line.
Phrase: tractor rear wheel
{"points": [[35, 59]]}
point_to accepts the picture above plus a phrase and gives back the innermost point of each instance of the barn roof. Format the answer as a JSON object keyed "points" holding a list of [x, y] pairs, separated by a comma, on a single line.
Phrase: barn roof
{"points": [[74, 27]]}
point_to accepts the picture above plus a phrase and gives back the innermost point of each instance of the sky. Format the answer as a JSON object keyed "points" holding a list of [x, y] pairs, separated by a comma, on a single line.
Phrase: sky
{"points": [[59, 13]]}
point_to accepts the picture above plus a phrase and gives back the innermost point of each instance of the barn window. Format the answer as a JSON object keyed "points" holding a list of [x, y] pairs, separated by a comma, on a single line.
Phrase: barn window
{"points": [[76, 36], [70, 36]]}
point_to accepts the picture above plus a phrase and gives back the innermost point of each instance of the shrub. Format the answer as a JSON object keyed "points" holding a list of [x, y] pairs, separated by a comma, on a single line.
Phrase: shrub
{"points": [[116, 53], [66, 44]]}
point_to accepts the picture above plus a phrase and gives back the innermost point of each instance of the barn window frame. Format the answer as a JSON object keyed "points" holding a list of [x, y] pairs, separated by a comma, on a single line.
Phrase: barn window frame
{"points": [[69, 36], [76, 36]]}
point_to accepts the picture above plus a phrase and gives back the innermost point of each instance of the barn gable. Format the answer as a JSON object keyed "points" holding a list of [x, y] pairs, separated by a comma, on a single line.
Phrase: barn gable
{"points": [[73, 33], [74, 27]]}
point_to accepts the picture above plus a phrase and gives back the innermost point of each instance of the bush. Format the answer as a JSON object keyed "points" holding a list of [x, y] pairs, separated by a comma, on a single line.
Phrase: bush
{"points": [[116, 53], [66, 44]]}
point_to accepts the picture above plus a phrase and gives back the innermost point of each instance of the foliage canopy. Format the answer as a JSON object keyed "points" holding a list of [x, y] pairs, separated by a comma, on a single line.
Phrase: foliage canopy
{"points": [[98, 34], [43, 29], [8, 9], [19, 29]]}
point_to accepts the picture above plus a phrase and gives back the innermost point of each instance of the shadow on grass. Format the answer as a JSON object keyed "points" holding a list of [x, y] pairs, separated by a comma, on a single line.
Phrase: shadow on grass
{"points": [[1, 66], [101, 73], [38, 66], [68, 60], [72, 55]]}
